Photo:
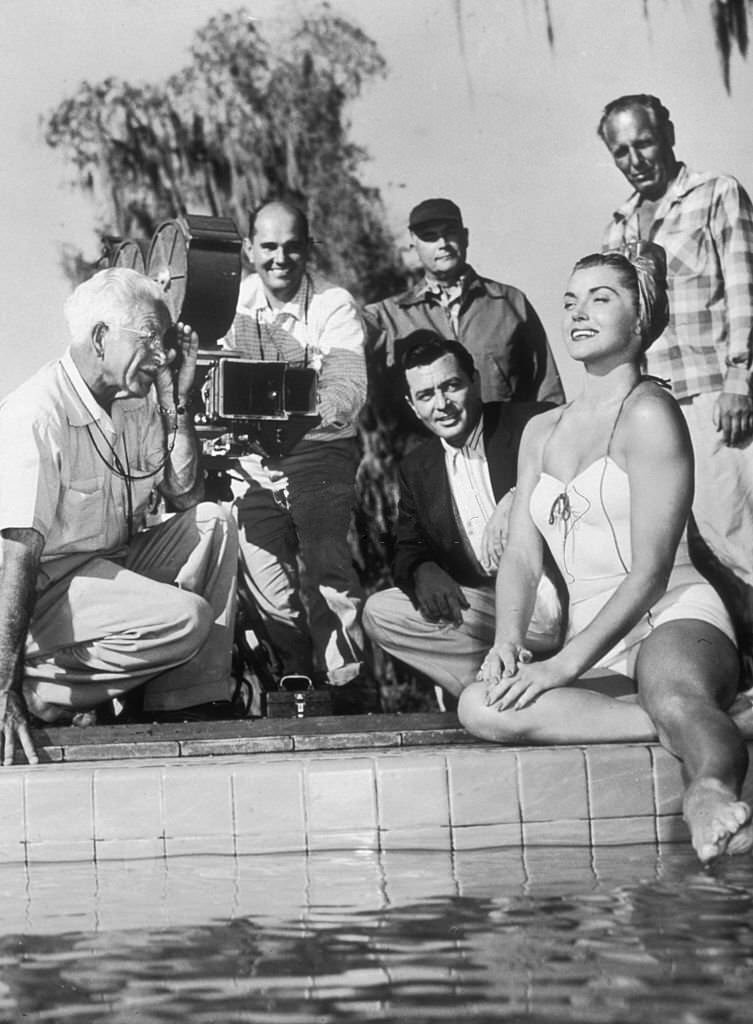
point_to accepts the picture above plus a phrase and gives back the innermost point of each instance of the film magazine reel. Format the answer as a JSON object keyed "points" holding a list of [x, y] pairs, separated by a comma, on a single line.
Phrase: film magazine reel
{"points": [[238, 405]]}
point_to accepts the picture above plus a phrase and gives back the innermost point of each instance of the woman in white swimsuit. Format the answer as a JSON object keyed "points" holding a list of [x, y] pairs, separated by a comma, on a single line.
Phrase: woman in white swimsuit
{"points": [[606, 484]]}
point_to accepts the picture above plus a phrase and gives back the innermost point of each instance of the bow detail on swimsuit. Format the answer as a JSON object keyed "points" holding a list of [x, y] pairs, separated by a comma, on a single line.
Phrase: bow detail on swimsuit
{"points": [[560, 509]]}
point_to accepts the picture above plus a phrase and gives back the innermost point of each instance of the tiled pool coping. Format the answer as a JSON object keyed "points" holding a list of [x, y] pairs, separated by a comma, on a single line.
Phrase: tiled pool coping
{"points": [[376, 783], [260, 736]]}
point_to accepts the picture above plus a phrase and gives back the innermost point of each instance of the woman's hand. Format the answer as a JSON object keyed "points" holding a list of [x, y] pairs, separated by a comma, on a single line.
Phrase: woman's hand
{"points": [[502, 661], [513, 691], [494, 537]]}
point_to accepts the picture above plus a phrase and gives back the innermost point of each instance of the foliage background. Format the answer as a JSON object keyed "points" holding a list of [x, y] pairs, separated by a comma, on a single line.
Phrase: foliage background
{"points": [[252, 115]]}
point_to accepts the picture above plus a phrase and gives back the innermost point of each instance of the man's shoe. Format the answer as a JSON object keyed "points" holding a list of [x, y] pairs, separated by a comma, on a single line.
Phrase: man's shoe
{"points": [[358, 697], [214, 711]]}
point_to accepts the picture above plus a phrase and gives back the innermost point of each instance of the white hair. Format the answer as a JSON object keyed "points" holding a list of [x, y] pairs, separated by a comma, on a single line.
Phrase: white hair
{"points": [[108, 297]]}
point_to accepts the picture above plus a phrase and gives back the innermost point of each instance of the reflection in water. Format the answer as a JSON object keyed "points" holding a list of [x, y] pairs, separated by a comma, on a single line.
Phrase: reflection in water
{"points": [[620, 934]]}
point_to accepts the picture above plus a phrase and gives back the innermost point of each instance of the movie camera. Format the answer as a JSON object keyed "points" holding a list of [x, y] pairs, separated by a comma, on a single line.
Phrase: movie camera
{"points": [[238, 405]]}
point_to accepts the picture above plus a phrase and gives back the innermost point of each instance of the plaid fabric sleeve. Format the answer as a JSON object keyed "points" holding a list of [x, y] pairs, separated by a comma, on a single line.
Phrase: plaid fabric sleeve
{"points": [[243, 338], [342, 377], [732, 228]]}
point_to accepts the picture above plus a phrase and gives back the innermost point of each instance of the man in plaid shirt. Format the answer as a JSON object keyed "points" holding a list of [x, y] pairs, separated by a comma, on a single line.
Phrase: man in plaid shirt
{"points": [[705, 224]]}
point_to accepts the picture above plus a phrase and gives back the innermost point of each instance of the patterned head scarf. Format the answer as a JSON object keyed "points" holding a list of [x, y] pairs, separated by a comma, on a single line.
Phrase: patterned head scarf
{"points": [[649, 261]]}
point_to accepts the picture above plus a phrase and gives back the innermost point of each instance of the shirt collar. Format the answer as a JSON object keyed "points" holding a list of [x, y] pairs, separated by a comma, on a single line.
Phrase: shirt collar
{"points": [[685, 182], [417, 294], [253, 299], [80, 405], [473, 447], [455, 290]]}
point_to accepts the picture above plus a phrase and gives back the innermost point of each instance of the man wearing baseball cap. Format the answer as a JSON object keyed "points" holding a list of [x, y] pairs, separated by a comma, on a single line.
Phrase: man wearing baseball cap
{"points": [[494, 321]]}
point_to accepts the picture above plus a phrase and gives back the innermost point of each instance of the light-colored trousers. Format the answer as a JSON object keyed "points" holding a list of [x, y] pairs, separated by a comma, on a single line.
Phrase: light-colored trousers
{"points": [[723, 514], [165, 614], [723, 500], [451, 655]]}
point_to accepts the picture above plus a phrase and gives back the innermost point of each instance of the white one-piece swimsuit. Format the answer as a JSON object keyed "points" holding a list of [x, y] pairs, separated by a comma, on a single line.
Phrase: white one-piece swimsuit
{"points": [[586, 525]]}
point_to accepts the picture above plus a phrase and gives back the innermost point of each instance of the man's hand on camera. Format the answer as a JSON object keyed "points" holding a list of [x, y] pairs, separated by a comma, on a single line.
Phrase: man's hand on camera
{"points": [[176, 377], [188, 350]]}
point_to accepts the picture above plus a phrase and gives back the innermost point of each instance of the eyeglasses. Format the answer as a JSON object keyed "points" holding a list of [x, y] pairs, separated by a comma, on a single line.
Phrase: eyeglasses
{"points": [[151, 339]]}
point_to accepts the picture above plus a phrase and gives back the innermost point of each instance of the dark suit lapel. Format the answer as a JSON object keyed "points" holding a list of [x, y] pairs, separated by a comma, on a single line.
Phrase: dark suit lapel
{"points": [[499, 443], [435, 486]]}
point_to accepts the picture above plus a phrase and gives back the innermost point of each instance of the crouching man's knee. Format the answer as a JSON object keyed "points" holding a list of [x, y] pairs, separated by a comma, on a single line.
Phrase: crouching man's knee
{"points": [[372, 617], [192, 623], [220, 522], [212, 512]]}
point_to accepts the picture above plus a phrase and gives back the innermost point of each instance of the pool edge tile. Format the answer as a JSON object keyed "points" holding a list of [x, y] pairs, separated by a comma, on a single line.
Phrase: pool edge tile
{"points": [[552, 784], [562, 832], [483, 787], [623, 831], [481, 837]]}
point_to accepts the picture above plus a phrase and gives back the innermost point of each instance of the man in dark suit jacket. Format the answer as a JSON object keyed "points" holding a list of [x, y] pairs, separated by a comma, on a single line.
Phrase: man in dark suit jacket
{"points": [[455, 495]]}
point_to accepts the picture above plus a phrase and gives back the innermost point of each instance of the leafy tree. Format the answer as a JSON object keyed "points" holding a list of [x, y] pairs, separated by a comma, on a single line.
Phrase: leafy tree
{"points": [[250, 117]]}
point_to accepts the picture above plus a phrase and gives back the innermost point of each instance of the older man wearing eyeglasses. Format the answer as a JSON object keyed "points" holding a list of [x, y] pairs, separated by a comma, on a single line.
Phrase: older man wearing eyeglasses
{"points": [[92, 604]]}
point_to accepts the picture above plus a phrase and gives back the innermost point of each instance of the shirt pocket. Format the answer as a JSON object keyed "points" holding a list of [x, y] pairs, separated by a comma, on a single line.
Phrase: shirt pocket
{"points": [[82, 514], [688, 247]]}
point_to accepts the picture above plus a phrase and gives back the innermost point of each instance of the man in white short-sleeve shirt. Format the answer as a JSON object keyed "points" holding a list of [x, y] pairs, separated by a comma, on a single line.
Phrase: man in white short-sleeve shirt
{"points": [[93, 604]]}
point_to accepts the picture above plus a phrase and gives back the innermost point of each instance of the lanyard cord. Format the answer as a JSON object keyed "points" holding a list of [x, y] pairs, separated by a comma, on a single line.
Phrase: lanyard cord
{"points": [[116, 466], [124, 472], [269, 327]]}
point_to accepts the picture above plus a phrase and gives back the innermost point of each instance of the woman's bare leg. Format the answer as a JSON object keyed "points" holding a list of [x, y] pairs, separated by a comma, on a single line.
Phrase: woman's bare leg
{"points": [[573, 714], [687, 677]]}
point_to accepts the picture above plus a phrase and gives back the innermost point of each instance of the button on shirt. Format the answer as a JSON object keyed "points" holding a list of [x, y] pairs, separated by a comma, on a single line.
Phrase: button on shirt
{"points": [[705, 224], [471, 487], [56, 467]]}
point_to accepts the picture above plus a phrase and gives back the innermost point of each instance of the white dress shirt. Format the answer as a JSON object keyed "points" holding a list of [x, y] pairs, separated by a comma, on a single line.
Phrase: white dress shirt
{"points": [[471, 487]]}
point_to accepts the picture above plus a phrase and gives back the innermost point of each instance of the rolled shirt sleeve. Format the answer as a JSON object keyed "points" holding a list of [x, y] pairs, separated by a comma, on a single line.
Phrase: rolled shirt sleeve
{"points": [[342, 375], [29, 470]]}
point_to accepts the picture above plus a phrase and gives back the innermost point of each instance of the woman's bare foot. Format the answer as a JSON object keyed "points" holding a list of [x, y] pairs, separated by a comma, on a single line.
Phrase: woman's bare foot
{"points": [[717, 820]]}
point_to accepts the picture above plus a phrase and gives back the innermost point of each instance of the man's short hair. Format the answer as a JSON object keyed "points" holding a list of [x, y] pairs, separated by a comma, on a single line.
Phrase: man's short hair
{"points": [[653, 104], [424, 347], [297, 212], [107, 297], [430, 210]]}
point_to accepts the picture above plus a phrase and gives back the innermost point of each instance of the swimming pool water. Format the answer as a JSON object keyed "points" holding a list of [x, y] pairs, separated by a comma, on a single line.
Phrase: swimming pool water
{"points": [[612, 935]]}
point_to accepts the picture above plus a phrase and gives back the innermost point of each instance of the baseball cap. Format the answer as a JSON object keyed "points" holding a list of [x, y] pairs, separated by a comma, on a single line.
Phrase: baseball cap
{"points": [[434, 209]]}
